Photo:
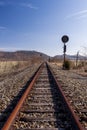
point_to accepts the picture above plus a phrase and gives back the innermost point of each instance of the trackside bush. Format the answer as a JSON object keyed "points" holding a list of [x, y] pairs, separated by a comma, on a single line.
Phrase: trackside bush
{"points": [[67, 65]]}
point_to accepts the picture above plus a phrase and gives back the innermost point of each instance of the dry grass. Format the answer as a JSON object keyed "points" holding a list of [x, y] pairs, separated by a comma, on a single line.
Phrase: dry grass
{"points": [[12, 66], [81, 66]]}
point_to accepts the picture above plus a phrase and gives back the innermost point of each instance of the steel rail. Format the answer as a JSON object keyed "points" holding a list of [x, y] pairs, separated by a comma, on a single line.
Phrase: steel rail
{"points": [[15, 111], [74, 117], [76, 123]]}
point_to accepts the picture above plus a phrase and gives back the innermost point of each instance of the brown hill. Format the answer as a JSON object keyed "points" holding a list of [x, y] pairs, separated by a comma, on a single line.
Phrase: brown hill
{"points": [[23, 56]]}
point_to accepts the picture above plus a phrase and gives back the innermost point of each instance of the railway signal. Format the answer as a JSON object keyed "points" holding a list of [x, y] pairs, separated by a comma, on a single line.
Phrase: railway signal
{"points": [[64, 39]]}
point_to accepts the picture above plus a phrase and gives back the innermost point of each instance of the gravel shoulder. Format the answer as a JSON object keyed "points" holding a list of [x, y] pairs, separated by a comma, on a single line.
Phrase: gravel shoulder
{"points": [[74, 85], [12, 84]]}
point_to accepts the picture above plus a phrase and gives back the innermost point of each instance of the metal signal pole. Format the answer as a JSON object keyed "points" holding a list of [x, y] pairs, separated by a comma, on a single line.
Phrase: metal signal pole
{"points": [[64, 39]]}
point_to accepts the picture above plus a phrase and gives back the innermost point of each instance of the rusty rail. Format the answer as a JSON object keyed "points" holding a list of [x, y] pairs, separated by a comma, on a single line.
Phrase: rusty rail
{"points": [[75, 119], [11, 118]]}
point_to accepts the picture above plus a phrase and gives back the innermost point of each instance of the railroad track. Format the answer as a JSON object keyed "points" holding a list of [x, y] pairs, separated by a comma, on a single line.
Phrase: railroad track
{"points": [[43, 106]]}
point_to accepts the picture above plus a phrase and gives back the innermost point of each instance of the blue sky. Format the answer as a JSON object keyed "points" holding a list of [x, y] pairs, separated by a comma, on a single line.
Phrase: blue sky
{"points": [[40, 24]]}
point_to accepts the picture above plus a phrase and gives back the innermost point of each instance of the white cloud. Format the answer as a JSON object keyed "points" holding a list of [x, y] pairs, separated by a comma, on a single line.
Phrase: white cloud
{"points": [[78, 15], [10, 49], [2, 28], [29, 5], [82, 17]]}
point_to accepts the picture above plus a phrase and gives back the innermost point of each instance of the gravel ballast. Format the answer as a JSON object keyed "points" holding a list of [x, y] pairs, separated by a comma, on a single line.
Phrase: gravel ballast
{"points": [[74, 86]]}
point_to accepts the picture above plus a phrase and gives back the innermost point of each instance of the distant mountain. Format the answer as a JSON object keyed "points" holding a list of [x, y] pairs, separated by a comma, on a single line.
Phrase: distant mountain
{"points": [[33, 56], [22, 55], [70, 57]]}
